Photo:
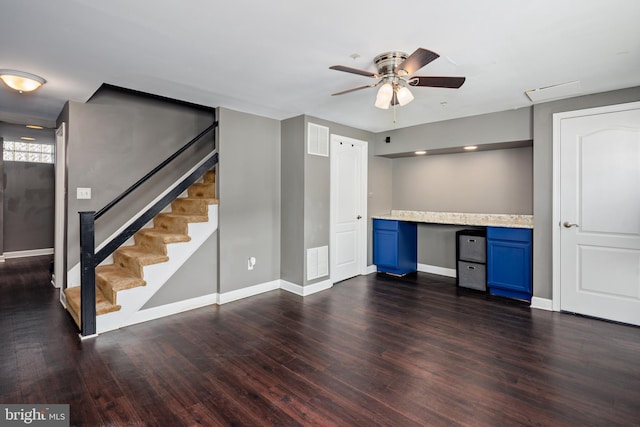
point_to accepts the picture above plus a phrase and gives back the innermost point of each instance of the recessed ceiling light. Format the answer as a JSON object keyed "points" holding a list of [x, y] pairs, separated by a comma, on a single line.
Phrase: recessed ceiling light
{"points": [[471, 147], [34, 127], [420, 153], [27, 138]]}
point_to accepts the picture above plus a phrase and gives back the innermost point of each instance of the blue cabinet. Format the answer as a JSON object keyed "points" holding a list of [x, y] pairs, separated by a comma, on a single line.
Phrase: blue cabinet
{"points": [[509, 262], [395, 246]]}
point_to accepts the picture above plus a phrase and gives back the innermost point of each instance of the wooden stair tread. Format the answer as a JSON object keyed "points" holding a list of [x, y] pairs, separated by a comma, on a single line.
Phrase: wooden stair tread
{"points": [[165, 236], [103, 305], [142, 254], [118, 277], [186, 216]]}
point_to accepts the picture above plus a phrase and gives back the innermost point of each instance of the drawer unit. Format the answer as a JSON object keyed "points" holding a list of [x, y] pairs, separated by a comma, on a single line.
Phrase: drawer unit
{"points": [[509, 262], [395, 246], [472, 275], [472, 248], [471, 257]]}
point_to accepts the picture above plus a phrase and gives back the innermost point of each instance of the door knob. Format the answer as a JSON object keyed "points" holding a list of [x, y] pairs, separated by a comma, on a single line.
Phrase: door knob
{"points": [[359, 217], [568, 224]]}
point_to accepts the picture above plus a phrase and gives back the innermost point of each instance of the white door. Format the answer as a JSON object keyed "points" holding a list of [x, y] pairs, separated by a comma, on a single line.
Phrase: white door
{"points": [[348, 207], [599, 221]]}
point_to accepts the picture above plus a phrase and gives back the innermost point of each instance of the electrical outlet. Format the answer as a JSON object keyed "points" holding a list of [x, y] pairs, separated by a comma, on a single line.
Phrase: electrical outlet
{"points": [[83, 193], [251, 262]]}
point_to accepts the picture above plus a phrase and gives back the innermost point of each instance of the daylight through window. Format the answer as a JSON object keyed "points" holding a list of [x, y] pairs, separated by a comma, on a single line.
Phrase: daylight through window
{"points": [[13, 151]]}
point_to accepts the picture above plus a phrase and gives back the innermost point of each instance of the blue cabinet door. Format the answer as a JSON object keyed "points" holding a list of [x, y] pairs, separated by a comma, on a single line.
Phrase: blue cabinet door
{"points": [[395, 246], [509, 262]]}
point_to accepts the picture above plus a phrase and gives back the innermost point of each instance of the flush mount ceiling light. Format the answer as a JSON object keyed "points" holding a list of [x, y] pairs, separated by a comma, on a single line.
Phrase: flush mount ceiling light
{"points": [[471, 147], [420, 153], [21, 81]]}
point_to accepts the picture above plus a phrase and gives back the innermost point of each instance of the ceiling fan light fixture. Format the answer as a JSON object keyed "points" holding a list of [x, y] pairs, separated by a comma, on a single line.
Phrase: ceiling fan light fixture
{"points": [[21, 81], [404, 96], [383, 98]]}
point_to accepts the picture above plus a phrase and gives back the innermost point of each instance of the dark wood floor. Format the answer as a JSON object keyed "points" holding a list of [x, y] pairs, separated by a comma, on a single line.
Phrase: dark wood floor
{"points": [[371, 351]]}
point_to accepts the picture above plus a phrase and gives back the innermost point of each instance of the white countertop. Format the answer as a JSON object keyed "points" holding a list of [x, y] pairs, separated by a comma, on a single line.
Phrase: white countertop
{"points": [[454, 218]]}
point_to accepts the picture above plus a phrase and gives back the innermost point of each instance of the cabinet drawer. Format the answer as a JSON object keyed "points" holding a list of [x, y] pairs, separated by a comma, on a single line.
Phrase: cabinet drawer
{"points": [[385, 224], [472, 248], [472, 275], [513, 234]]}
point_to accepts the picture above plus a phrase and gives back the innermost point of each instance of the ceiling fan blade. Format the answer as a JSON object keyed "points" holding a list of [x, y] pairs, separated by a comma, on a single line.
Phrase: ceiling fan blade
{"points": [[353, 71], [353, 90], [415, 61], [429, 81]]}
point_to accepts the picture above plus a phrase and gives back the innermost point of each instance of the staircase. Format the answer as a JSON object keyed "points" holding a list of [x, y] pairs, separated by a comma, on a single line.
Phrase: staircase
{"points": [[150, 248]]}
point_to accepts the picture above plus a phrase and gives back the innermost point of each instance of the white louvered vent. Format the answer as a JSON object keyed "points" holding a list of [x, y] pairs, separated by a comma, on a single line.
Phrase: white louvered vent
{"points": [[318, 140], [317, 262]]}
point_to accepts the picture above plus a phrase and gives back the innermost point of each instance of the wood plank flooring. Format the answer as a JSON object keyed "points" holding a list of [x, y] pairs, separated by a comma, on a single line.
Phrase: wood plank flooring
{"points": [[372, 351]]}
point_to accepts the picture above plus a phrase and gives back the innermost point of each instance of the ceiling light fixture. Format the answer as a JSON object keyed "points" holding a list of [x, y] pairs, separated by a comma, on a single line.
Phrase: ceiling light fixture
{"points": [[34, 127], [393, 92], [384, 96], [27, 138], [471, 147], [420, 153], [21, 81]]}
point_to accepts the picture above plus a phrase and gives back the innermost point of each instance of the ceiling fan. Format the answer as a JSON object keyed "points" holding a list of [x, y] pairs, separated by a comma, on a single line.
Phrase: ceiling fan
{"points": [[395, 71]]}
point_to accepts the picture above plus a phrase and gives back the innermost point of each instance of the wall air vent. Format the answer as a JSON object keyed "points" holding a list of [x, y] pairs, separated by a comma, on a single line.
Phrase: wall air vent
{"points": [[318, 140]]}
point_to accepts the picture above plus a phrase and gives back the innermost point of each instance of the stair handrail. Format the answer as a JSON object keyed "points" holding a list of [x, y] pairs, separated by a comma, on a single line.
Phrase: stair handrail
{"points": [[89, 259], [155, 170]]}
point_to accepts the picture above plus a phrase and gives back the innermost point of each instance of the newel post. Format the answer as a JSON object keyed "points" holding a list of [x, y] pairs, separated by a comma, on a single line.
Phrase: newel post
{"points": [[87, 274]]}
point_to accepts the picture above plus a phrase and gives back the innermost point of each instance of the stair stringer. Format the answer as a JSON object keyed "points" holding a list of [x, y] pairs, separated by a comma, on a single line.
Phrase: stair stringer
{"points": [[156, 275]]}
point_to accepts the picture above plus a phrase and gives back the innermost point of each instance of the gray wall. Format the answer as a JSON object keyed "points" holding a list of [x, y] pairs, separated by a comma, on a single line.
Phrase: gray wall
{"points": [[114, 140], [504, 126], [197, 277], [29, 198], [292, 205], [497, 181], [307, 209], [543, 176], [249, 193]]}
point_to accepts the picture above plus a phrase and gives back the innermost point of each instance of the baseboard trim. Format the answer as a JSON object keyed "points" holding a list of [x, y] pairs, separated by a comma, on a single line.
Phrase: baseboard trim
{"points": [[29, 253], [171, 309], [434, 269], [371, 269], [248, 292], [303, 291], [542, 303]]}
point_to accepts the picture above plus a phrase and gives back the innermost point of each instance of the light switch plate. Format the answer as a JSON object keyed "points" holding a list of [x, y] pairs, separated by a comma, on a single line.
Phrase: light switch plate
{"points": [[83, 193]]}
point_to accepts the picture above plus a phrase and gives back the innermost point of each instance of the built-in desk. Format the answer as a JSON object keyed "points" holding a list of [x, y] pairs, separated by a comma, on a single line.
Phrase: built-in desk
{"points": [[509, 241], [455, 218]]}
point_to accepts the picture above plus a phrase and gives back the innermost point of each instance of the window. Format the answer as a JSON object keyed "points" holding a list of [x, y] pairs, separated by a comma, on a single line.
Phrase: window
{"points": [[13, 151]]}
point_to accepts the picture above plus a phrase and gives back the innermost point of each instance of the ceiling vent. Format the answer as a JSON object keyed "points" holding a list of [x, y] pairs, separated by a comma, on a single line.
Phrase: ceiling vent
{"points": [[564, 90]]}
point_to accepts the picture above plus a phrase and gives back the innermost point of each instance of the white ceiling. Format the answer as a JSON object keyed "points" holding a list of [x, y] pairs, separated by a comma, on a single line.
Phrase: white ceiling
{"points": [[272, 58]]}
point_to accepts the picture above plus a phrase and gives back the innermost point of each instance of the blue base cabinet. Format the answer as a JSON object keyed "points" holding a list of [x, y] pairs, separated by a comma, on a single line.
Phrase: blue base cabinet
{"points": [[509, 262], [395, 246]]}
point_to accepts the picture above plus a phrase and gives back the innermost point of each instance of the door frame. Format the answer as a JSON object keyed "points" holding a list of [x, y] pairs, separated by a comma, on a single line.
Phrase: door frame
{"points": [[362, 225], [59, 252], [557, 164]]}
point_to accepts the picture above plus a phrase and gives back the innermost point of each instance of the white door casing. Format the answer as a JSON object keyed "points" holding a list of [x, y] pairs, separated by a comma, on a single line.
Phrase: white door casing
{"points": [[597, 212], [60, 186], [348, 224]]}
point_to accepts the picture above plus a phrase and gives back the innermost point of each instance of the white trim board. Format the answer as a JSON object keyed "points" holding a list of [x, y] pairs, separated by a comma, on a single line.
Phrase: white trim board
{"points": [[28, 253], [434, 269], [305, 290], [542, 303]]}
